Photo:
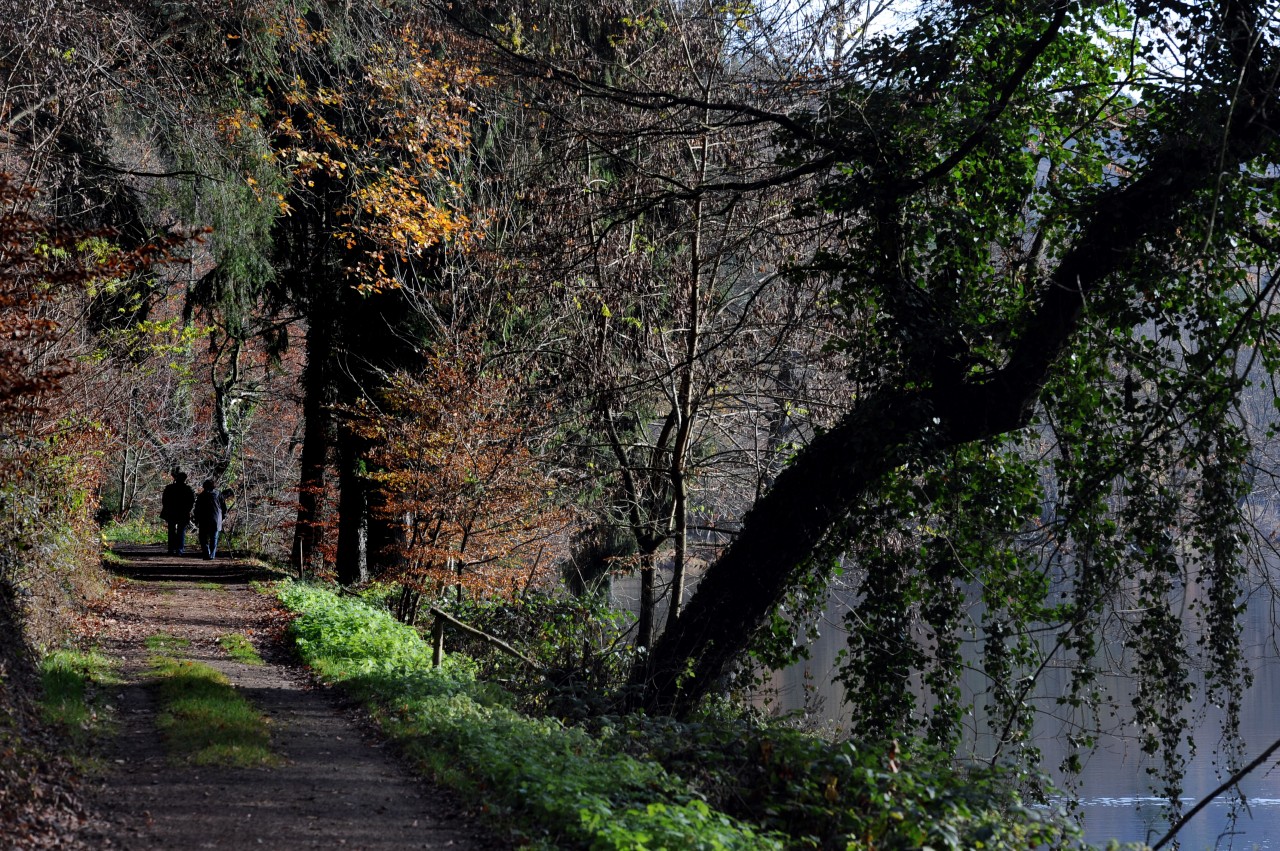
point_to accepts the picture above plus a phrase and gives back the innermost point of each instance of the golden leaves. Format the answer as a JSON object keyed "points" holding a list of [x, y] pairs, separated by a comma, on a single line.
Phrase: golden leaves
{"points": [[237, 124], [374, 147]]}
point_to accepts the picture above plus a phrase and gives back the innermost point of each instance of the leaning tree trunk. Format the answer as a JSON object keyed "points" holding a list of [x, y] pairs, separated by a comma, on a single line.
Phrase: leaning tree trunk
{"points": [[888, 428], [736, 596]]}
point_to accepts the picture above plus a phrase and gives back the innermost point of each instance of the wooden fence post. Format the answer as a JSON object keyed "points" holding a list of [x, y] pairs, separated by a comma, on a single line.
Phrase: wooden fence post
{"points": [[437, 639], [437, 642]]}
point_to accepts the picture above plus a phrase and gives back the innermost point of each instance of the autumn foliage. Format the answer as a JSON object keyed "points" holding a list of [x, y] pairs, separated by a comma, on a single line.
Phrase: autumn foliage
{"points": [[381, 141], [476, 512]]}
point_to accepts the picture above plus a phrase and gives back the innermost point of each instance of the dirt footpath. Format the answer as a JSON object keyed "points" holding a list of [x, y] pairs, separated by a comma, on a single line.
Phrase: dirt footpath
{"points": [[337, 785]]}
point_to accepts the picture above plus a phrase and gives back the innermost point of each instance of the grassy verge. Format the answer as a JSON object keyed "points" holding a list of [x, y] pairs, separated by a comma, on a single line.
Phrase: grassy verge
{"points": [[203, 719], [556, 786], [723, 781], [71, 697], [135, 530], [238, 647]]}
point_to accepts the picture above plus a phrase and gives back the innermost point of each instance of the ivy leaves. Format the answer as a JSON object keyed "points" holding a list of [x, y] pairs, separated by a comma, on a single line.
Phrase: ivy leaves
{"points": [[978, 159]]}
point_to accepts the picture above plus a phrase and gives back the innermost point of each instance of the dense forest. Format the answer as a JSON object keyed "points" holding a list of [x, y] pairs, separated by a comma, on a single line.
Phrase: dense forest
{"points": [[472, 309]]}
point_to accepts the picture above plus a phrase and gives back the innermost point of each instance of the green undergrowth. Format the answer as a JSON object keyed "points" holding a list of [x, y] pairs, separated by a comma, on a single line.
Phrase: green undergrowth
{"points": [[71, 695], [727, 780], [554, 786], [135, 530], [850, 795], [204, 720], [239, 647]]}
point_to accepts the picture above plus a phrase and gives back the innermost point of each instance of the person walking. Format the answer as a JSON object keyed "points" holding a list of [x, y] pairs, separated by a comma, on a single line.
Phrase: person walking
{"points": [[209, 511], [176, 503]]}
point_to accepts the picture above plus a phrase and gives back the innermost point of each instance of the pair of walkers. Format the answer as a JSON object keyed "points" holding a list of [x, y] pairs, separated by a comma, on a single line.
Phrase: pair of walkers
{"points": [[179, 504]]}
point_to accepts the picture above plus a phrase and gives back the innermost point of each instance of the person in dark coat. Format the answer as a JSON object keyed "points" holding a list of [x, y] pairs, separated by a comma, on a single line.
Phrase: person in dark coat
{"points": [[175, 510], [209, 512]]}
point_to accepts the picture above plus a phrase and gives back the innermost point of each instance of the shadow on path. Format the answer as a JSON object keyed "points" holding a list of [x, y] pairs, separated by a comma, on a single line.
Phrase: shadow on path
{"points": [[150, 563]]}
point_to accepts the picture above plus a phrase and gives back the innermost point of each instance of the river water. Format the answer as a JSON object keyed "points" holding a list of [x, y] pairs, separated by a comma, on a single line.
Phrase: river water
{"points": [[1114, 791]]}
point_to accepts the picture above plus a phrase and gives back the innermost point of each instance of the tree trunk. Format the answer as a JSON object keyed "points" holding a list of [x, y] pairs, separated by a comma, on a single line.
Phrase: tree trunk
{"points": [[648, 600], [307, 533], [684, 407], [124, 467], [372, 338], [224, 390], [643, 507], [353, 510]]}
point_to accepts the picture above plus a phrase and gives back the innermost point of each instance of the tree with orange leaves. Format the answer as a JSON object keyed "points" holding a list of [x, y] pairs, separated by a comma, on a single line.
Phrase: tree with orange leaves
{"points": [[367, 141], [475, 510], [351, 134]]}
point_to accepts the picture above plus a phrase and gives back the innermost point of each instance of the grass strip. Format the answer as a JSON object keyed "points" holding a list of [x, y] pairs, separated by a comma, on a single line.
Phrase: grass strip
{"points": [[205, 721], [165, 644], [555, 785], [239, 647], [113, 559], [70, 697]]}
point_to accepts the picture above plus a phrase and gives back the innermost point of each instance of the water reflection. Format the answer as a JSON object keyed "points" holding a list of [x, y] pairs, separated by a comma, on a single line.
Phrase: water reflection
{"points": [[1114, 788]]}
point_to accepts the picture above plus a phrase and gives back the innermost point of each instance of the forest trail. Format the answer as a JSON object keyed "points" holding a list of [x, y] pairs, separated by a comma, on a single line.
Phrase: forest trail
{"points": [[336, 785]]}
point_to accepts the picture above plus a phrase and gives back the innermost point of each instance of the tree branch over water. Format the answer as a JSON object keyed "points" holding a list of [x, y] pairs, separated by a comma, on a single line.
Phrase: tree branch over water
{"points": [[1208, 799]]}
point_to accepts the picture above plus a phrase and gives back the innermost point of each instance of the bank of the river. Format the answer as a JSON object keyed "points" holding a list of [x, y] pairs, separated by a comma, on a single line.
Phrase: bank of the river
{"points": [[722, 781], [1114, 792]]}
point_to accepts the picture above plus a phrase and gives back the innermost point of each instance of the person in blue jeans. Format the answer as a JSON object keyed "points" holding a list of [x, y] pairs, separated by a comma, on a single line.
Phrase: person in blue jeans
{"points": [[209, 511]]}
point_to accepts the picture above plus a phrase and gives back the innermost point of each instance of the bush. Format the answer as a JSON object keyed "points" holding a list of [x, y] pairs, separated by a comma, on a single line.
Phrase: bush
{"points": [[133, 530], [842, 795], [576, 641], [50, 549]]}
